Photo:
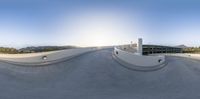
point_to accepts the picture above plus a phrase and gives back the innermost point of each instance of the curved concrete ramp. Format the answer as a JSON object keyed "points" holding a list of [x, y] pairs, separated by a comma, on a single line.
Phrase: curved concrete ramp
{"points": [[97, 76], [43, 58], [139, 62]]}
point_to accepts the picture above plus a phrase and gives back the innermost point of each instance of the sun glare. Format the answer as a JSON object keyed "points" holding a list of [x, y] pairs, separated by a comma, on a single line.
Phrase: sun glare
{"points": [[99, 39], [96, 29]]}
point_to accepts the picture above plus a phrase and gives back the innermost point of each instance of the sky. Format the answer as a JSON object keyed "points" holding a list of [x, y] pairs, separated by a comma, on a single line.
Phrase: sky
{"points": [[99, 22]]}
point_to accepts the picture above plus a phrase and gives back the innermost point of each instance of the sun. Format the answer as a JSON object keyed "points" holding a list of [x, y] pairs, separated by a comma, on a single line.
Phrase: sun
{"points": [[96, 29], [100, 39], [97, 32]]}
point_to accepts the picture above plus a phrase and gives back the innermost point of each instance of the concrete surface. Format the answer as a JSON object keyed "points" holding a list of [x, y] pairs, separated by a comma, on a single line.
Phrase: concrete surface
{"points": [[138, 68], [128, 48], [139, 60], [36, 58], [186, 55], [96, 75]]}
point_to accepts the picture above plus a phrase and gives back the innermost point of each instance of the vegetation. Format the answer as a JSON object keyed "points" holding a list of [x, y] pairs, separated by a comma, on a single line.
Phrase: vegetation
{"points": [[43, 49], [7, 50], [191, 50]]}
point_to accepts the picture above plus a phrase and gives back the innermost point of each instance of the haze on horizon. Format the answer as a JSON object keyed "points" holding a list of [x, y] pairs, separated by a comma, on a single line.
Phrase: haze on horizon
{"points": [[99, 22]]}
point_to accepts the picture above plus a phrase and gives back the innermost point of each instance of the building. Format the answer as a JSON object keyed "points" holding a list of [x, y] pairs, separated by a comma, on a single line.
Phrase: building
{"points": [[142, 49], [151, 49]]}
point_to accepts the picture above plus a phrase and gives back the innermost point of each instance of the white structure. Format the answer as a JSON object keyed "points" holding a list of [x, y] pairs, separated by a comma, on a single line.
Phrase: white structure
{"points": [[184, 55], [139, 46], [44, 57], [138, 60]]}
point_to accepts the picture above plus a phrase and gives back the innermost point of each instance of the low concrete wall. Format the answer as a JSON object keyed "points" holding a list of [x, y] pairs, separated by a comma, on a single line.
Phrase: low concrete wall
{"points": [[186, 55], [36, 58], [127, 48], [139, 61]]}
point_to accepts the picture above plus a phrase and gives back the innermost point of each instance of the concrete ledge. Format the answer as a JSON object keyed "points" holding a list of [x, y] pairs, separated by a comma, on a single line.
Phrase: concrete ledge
{"points": [[52, 57], [138, 60], [185, 55]]}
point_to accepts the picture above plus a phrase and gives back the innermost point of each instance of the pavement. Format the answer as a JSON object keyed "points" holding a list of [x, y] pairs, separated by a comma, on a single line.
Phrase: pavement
{"points": [[97, 75]]}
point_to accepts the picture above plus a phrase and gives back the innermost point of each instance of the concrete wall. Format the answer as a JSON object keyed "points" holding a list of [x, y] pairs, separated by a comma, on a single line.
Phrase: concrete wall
{"points": [[128, 48], [37, 57], [138, 60], [186, 55]]}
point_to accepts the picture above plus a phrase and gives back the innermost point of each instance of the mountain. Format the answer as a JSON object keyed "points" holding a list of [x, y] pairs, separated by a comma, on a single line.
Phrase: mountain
{"points": [[44, 48], [181, 46]]}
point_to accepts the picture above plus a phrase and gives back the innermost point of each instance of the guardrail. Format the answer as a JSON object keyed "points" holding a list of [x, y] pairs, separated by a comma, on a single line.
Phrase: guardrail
{"points": [[138, 62], [43, 58]]}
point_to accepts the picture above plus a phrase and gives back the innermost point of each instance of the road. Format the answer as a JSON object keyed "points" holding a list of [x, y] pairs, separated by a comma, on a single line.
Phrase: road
{"points": [[97, 75]]}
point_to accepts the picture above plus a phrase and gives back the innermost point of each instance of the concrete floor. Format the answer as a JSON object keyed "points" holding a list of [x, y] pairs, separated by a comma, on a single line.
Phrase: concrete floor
{"points": [[96, 75]]}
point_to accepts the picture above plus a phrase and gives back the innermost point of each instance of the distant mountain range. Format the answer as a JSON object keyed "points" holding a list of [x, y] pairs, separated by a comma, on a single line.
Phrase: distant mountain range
{"points": [[33, 49], [43, 48], [181, 46]]}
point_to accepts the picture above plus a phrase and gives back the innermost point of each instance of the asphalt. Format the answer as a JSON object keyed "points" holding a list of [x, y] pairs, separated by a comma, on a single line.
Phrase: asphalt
{"points": [[97, 75]]}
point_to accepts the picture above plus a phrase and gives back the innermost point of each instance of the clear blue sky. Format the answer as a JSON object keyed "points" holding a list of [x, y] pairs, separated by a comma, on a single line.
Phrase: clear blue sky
{"points": [[99, 22]]}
